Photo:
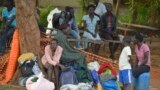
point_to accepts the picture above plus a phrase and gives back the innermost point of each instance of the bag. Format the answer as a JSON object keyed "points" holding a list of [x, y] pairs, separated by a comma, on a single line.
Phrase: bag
{"points": [[38, 82], [68, 77], [26, 68]]}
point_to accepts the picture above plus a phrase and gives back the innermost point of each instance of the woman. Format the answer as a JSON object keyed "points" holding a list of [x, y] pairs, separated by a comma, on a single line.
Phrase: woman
{"points": [[143, 60], [90, 24], [50, 60], [71, 56]]}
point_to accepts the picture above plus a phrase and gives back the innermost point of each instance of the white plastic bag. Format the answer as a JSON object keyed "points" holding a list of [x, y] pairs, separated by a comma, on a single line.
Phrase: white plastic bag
{"points": [[40, 84]]}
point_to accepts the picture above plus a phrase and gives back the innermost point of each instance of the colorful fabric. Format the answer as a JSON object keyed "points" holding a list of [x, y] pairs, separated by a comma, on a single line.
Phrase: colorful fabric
{"points": [[125, 76], [104, 67], [140, 54], [51, 58]]}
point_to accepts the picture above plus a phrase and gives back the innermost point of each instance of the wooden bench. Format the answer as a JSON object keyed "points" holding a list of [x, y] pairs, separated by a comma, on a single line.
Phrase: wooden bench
{"points": [[125, 30]]}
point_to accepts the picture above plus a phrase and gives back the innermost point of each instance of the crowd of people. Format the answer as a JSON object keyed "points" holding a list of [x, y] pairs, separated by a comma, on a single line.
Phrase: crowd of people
{"points": [[99, 23]]}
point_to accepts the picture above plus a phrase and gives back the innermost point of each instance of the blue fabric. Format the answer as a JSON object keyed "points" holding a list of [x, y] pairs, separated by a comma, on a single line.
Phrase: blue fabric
{"points": [[125, 76], [8, 14], [75, 35], [68, 77], [91, 23], [110, 85], [142, 82], [95, 76]]}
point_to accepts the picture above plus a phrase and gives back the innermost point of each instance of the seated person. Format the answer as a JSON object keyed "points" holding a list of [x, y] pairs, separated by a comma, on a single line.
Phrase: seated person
{"points": [[90, 24], [69, 18], [51, 58], [9, 20], [71, 56], [108, 29]]}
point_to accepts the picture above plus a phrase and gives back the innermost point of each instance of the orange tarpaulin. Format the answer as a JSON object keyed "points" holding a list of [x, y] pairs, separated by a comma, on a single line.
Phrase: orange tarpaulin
{"points": [[8, 73]]}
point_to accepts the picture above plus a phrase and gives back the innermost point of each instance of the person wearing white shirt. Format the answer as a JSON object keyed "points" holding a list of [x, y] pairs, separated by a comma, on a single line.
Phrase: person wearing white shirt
{"points": [[125, 70], [100, 8]]}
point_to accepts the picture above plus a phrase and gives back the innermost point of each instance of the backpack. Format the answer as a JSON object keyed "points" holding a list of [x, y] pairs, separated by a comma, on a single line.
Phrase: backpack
{"points": [[68, 77], [26, 68]]}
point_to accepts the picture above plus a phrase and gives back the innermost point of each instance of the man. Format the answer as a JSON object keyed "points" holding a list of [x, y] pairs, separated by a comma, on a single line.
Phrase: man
{"points": [[9, 20], [70, 19], [108, 29], [100, 8]]}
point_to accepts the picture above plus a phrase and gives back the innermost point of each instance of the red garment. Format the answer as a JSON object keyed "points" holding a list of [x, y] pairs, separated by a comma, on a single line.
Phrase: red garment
{"points": [[103, 68]]}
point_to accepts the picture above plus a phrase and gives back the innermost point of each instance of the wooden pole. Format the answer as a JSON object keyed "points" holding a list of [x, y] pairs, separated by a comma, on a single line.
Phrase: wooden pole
{"points": [[117, 7]]}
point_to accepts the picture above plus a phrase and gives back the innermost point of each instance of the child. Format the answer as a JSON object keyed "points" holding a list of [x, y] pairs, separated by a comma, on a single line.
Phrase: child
{"points": [[125, 70]]}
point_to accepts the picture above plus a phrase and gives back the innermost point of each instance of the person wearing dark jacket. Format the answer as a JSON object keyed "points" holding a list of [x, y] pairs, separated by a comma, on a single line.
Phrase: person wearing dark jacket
{"points": [[108, 29]]}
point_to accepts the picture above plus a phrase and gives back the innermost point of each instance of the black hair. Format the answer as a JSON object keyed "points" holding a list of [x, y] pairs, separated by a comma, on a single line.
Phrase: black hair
{"points": [[91, 5], [68, 8], [127, 39], [9, 1], [108, 5], [139, 37], [55, 20]]}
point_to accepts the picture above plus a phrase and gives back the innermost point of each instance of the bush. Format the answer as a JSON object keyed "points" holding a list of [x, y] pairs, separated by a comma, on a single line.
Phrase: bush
{"points": [[43, 15]]}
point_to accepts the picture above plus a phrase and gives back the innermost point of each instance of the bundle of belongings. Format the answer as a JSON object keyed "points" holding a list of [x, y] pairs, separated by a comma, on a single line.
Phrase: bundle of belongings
{"points": [[69, 81], [104, 76], [31, 75]]}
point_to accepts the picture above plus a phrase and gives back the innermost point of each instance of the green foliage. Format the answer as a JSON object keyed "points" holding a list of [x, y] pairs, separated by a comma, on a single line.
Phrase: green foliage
{"points": [[148, 12], [43, 15]]}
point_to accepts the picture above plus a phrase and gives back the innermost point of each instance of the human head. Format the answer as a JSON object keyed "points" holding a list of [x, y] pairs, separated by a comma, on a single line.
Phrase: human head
{"points": [[127, 40], [64, 27], [69, 12], [96, 2], [108, 7], [54, 44], [9, 4], [139, 38], [91, 9], [55, 20]]}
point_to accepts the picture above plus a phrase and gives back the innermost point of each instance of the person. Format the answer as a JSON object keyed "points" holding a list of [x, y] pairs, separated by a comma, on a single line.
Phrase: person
{"points": [[9, 20], [71, 56], [143, 59], [108, 29], [100, 8], [90, 24], [69, 18], [125, 61], [50, 61]]}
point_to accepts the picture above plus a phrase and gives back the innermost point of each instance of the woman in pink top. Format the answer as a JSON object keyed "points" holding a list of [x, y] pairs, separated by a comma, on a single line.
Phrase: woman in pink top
{"points": [[143, 60], [51, 58]]}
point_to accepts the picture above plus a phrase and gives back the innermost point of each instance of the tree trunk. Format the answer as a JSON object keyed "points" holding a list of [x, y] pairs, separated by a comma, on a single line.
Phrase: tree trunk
{"points": [[28, 27], [28, 30]]}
